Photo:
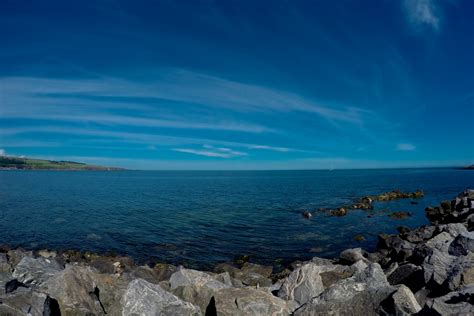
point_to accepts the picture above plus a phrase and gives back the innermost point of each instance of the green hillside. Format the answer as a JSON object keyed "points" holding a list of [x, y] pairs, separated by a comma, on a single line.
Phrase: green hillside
{"points": [[7, 162]]}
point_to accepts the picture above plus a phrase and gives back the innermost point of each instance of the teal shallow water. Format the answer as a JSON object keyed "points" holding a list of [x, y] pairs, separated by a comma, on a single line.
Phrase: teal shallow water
{"points": [[201, 218]]}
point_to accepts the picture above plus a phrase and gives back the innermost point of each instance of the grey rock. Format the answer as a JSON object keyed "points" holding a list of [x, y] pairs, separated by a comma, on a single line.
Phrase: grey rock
{"points": [[437, 266], [322, 261], [195, 286], [4, 265], [34, 272], [358, 295], [265, 271], [145, 298], [248, 301], [350, 256], [462, 244], [440, 242], [304, 283], [454, 303], [15, 256], [408, 274], [405, 302], [23, 301], [74, 288]]}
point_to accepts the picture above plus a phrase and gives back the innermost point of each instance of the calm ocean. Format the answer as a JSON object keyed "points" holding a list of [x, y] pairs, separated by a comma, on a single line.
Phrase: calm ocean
{"points": [[201, 218]]}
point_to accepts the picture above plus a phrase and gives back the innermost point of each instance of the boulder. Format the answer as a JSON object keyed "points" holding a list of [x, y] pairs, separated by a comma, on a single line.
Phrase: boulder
{"points": [[195, 286], [455, 303], [436, 267], [4, 265], [31, 271], [265, 271], [15, 256], [350, 256], [404, 301], [304, 283], [145, 298], [360, 294], [408, 274], [23, 301], [248, 301], [462, 244], [74, 289]]}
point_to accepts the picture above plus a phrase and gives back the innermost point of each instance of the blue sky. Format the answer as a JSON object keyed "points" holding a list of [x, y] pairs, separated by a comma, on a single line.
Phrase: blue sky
{"points": [[239, 84]]}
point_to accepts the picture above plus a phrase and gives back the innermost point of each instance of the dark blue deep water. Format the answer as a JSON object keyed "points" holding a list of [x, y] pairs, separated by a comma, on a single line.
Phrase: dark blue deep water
{"points": [[201, 218]]}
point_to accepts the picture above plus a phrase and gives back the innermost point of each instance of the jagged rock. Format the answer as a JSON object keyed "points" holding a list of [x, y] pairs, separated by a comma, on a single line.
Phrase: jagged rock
{"points": [[462, 244], [195, 286], [12, 285], [23, 301], [418, 235], [440, 242], [360, 294], [248, 301], [34, 272], [265, 271], [322, 261], [460, 272], [350, 256], [4, 266], [338, 273], [254, 274], [408, 274], [304, 283], [307, 214], [15, 256], [455, 303], [74, 288], [47, 253], [436, 266], [405, 302], [145, 298]]}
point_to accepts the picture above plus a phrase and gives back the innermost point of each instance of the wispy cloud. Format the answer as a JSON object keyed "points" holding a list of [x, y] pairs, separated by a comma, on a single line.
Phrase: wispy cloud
{"points": [[423, 13], [405, 147], [169, 84], [264, 147], [211, 151]]}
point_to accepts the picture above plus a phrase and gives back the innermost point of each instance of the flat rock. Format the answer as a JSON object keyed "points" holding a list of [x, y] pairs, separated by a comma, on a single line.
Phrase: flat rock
{"points": [[145, 298], [248, 301]]}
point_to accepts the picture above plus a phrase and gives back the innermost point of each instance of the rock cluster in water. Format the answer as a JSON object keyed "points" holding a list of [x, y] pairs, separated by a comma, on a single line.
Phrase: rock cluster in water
{"points": [[425, 271], [366, 203]]}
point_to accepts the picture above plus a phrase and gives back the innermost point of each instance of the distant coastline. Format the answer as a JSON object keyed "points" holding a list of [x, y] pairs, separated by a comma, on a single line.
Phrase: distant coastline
{"points": [[20, 163]]}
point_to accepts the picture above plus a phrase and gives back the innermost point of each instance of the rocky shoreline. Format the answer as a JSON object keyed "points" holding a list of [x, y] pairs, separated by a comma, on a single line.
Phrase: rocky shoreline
{"points": [[425, 271]]}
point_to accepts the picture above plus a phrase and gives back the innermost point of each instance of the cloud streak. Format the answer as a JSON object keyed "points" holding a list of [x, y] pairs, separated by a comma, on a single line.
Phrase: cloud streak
{"points": [[405, 147], [211, 151], [422, 13]]}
